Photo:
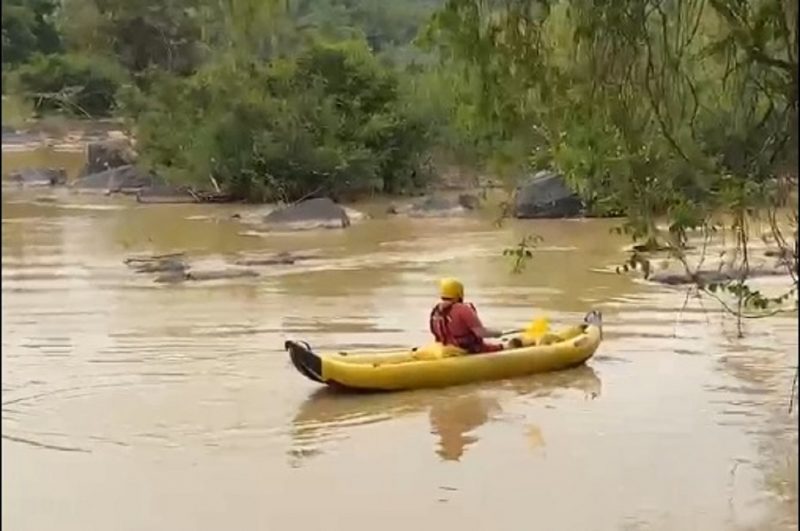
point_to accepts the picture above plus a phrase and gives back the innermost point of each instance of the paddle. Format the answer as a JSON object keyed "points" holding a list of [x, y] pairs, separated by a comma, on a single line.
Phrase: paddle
{"points": [[537, 328]]}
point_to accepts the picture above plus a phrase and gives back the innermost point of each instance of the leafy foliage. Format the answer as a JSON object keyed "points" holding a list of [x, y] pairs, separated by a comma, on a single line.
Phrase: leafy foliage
{"points": [[522, 253], [75, 84], [28, 29], [139, 35], [656, 110], [326, 121]]}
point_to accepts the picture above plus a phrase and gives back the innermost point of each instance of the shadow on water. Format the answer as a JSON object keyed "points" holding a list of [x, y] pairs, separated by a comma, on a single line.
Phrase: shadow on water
{"points": [[454, 413]]}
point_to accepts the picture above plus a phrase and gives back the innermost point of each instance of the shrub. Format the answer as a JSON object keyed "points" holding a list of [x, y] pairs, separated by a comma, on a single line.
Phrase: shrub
{"points": [[328, 121], [73, 84]]}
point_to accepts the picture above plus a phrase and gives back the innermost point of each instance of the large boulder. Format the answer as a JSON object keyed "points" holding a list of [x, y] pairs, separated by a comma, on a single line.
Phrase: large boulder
{"points": [[108, 154], [121, 179], [39, 176], [546, 195], [310, 214]]}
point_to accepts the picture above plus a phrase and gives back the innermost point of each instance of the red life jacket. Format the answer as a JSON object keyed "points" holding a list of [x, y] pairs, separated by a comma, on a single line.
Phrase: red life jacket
{"points": [[440, 326]]}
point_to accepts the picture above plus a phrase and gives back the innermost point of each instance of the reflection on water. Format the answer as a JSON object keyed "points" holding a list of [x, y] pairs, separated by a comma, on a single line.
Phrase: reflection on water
{"points": [[454, 413], [455, 421], [169, 389]]}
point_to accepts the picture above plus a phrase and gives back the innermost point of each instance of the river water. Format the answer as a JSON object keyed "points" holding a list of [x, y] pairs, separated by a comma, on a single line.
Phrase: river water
{"points": [[129, 404]]}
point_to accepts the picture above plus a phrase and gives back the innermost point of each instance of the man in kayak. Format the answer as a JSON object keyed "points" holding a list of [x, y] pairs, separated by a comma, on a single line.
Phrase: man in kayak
{"points": [[455, 322]]}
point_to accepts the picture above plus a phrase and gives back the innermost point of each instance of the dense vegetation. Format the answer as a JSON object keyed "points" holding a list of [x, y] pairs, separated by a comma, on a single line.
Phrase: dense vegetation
{"points": [[656, 108], [266, 99], [653, 107]]}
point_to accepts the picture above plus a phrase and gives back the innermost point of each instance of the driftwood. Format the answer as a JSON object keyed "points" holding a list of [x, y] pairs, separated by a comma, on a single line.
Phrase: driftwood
{"points": [[182, 195], [705, 277], [174, 277]]}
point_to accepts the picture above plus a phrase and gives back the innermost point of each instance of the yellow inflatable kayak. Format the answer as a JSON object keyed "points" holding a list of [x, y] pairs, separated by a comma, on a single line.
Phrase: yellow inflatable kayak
{"points": [[438, 366]]}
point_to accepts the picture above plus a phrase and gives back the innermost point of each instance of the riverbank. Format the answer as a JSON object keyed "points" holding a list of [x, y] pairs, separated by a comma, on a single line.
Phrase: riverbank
{"points": [[60, 143], [59, 134], [446, 200]]}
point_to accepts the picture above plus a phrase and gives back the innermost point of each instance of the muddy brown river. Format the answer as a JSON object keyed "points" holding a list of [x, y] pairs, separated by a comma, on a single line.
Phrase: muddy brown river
{"points": [[132, 405]]}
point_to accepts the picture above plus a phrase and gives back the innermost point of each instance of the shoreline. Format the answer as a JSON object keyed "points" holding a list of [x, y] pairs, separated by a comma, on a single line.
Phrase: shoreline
{"points": [[74, 141], [43, 139]]}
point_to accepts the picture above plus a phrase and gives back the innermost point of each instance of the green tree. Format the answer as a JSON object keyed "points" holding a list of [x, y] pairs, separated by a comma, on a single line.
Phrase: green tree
{"points": [[645, 106], [140, 34], [672, 111], [327, 121], [79, 85], [28, 28]]}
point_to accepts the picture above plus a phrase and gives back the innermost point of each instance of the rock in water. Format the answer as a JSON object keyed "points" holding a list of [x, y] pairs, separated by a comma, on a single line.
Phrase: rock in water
{"points": [[39, 176], [221, 274], [715, 276], [161, 193], [546, 195], [469, 201], [310, 214], [123, 178], [108, 154]]}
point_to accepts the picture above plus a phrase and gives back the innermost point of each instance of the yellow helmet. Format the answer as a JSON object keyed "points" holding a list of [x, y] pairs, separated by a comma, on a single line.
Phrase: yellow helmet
{"points": [[451, 288]]}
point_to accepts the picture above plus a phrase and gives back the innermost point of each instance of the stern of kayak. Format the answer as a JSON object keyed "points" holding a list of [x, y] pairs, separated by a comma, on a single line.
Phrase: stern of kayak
{"points": [[304, 360]]}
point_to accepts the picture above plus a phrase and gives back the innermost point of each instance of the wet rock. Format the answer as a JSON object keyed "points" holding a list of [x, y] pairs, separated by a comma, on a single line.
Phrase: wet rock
{"points": [[469, 201], [256, 262], [310, 214], [546, 195], [172, 277], [118, 180], [149, 258], [108, 154], [162, 193], [39, 177], [173, 268], [162, 266], [282, 258], [355, 216], [434, 204], [713, 276], [221, 274], [173, 263]]}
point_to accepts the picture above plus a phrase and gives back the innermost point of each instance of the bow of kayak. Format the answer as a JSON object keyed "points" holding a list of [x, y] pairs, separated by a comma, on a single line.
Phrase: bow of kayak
{"points": [[395, 371]]}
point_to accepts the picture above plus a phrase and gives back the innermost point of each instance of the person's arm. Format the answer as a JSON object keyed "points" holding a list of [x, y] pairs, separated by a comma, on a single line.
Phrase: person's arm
{"points": [[484, 332], [474, 323]]}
